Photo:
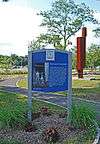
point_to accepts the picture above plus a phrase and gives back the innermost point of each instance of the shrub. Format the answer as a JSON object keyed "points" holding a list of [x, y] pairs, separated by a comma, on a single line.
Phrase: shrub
{"points": [[82, 117]]}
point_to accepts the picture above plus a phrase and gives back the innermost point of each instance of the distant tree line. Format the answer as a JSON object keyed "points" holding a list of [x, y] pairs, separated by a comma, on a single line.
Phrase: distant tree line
{"points": [[93, 56], [13, 61]]}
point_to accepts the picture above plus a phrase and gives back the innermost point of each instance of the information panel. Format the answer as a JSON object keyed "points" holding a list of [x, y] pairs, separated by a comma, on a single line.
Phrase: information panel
{"points": [[49, 71]]}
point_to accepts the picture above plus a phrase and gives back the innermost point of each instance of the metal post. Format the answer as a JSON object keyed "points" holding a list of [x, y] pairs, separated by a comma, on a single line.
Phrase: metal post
{"points": [[69, 97], [30, 85]]}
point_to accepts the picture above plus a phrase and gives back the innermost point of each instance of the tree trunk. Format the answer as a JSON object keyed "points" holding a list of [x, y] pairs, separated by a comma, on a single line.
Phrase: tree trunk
{"points": [[65, 37], [64, 43]]}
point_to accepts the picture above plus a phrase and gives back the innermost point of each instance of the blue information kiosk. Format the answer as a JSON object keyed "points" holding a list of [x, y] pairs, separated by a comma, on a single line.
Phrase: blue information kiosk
{"points": [[49, 71]]}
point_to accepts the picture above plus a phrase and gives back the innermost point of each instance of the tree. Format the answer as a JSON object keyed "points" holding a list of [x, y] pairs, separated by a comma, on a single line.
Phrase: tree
{"points": [[44, 39], [35, 44], [93, 56], [5, 63], [5, 0], [97, 32], [18, 60], [51, 39], [13, 59], [65, 18], [73, 50]]}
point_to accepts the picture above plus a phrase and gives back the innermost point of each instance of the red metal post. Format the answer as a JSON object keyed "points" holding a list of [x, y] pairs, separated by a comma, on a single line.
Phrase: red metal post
{"points": [[81, 52], [80, 56], [84, 32]]}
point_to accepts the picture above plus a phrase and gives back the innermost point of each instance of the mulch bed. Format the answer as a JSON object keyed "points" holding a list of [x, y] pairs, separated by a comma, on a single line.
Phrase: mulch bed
{"points": [[42, 123]]}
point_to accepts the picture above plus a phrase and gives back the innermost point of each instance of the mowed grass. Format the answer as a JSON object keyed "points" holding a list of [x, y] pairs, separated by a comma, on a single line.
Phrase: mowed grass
{"points": [[85, 88], [23, 83], [80, 87], [5, 76], [11, 100], [81, 83]]}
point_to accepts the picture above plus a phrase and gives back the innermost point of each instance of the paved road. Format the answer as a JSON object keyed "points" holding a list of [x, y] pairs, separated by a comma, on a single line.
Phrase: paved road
{"points": [[10, 85], [10, 81]]}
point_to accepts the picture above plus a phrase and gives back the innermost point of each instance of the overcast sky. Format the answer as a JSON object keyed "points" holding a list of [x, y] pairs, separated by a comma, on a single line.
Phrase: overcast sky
{"points": [[19, 24]]}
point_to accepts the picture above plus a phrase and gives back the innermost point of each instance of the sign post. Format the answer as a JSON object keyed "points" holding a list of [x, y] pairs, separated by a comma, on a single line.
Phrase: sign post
{"points": [[69, 96], [30, 86]]}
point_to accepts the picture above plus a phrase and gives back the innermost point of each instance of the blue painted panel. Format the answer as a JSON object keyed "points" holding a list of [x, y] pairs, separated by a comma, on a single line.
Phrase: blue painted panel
{"points": [[39, 57], [50, 75], [61, 57]]}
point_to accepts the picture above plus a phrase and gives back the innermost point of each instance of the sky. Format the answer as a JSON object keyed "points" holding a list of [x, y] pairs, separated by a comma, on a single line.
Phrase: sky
{"points": [[19, 24]]}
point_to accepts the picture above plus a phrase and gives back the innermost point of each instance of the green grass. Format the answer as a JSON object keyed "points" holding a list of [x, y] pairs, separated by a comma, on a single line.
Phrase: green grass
{"points": [[83, 117], [86, 83], [14, 106], [85, 88], [3, 76], [12, 109], [22, 83], [11, 100]]}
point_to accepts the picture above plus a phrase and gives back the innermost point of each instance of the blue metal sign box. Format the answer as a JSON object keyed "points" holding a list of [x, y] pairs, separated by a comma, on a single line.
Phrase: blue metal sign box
{"points": [[49, 70]]}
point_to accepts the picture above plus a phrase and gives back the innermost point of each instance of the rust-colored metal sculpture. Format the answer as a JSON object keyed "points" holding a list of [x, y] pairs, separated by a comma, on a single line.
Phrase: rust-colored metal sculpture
{"points": [[81, 52]]}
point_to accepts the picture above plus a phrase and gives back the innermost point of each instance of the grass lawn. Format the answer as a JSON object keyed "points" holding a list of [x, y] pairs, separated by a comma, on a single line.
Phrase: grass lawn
{"points": [[12, 101], [22, 83], [84, 88], [4, 76], [81, 88]]}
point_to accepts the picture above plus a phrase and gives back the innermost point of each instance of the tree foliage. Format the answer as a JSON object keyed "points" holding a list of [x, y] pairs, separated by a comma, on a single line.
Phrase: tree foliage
{"points": [[93, 56], [51, 39], [73, 50], [13, 61], [97, 32], [44, 39], [65, 18], [5, 63]]}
